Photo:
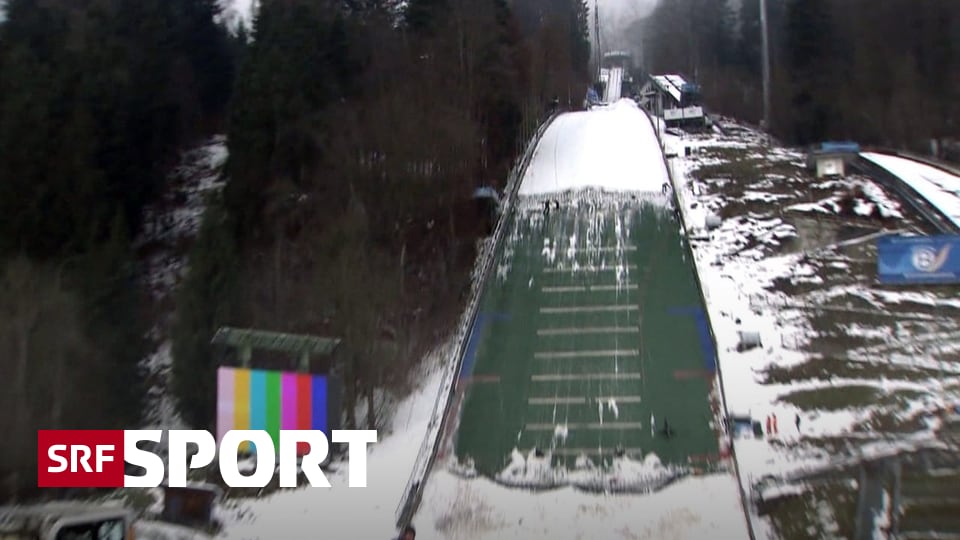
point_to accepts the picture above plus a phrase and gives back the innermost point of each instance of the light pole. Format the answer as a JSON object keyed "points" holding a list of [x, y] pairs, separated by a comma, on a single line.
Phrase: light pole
{"points": [[766, 64], [596, 26]]}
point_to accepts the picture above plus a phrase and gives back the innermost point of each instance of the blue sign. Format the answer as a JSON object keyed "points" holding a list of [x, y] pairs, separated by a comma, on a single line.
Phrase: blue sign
{"points": [[840, 147], [918, 259]]}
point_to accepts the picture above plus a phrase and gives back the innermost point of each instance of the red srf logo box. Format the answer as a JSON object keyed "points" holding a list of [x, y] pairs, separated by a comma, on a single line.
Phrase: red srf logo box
{"points": [[80, 458]]}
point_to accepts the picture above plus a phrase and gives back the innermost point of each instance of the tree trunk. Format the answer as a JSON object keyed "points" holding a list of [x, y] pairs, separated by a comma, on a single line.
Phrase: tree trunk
{"points": [[59, 388], [350, 394], [371, 409], [20, 412], [403, 258]]}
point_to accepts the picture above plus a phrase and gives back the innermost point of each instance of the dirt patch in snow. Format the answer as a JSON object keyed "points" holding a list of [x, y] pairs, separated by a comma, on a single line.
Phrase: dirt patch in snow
{"points": [[794, 258]]}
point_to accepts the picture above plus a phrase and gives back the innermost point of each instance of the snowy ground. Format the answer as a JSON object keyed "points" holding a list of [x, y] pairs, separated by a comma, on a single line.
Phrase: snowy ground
{"points": [[456, 507], [845, 366], [341, 511], [169, 227]]}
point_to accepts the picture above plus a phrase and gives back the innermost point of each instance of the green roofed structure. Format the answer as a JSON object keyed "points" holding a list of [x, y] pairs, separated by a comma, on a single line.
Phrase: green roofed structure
{"points": [[301, 345]]}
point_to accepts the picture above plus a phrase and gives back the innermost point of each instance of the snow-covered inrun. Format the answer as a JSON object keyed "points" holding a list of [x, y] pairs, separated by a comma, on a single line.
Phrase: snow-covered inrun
{"points": [[938, 187], [611, 148], [614, 85]]}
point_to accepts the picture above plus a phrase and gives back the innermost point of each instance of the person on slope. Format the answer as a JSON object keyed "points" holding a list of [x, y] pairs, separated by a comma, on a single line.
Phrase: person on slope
{"points": [[667, 431]]}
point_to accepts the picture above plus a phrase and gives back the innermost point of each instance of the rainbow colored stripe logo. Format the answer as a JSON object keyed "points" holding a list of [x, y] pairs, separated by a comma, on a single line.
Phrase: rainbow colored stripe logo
{"points": [[270, 400]]}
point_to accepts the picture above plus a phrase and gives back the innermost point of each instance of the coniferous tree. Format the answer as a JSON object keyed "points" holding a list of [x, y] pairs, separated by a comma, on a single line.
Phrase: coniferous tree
{"points": [[95, 100], [204, 303], [811, 46]]}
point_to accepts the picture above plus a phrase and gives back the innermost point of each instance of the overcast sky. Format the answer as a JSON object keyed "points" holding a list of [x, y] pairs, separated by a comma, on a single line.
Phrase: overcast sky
{"points": [[616, 18]]}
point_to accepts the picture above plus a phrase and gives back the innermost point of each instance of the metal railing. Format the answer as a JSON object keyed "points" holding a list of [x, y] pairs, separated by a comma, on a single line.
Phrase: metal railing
{"points": [[413, 490]]}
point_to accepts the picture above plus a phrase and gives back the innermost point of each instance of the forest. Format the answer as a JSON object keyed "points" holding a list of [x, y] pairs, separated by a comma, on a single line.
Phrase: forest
{"points": [[881, 73], [357, 131]]}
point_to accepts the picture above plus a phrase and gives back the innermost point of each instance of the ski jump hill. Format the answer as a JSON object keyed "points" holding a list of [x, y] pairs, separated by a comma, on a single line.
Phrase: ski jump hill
{"points": [[587, 362]]}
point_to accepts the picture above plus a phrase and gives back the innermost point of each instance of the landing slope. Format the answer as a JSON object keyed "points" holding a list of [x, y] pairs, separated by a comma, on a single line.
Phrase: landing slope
{"points": [[590, 333]]}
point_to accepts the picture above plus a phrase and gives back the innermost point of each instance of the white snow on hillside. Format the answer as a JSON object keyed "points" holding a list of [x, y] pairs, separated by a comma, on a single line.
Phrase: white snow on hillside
{"points": [[341, 511], [939, 187], [738, 275], [169, 226], [235, 12], [611, 148]]}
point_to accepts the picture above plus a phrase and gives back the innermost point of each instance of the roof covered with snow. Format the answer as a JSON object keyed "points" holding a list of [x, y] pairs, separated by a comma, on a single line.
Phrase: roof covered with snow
{"points": [[671, 84], [937, 186], [611, 148]]}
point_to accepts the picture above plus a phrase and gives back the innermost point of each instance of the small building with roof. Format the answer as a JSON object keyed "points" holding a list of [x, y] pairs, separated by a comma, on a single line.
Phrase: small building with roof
{"points": [[675, 99], [831, 158]]}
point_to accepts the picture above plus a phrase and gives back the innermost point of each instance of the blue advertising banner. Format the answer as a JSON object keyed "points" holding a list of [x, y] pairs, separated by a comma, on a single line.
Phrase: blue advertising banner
{"points": [[918, 259]]}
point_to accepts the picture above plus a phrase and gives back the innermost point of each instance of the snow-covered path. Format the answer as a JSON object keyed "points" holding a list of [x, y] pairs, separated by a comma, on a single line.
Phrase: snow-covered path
{"points": [[938, 187]]}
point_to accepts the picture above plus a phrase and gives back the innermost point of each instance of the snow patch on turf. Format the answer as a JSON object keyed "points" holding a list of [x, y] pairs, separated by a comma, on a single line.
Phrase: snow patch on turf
{"points": [[612, 403], [483, 509], [534, 470]]}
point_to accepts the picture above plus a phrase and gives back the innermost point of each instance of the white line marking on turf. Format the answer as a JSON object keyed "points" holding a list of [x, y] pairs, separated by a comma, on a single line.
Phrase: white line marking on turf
{"points": [[586, 377], [602, 249], [590, 330], [590, 288], [592, 451], [557, 401], [618, 399], [588, 309], [587, 425], [612, 268], [581, 400], [548, 355]]}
